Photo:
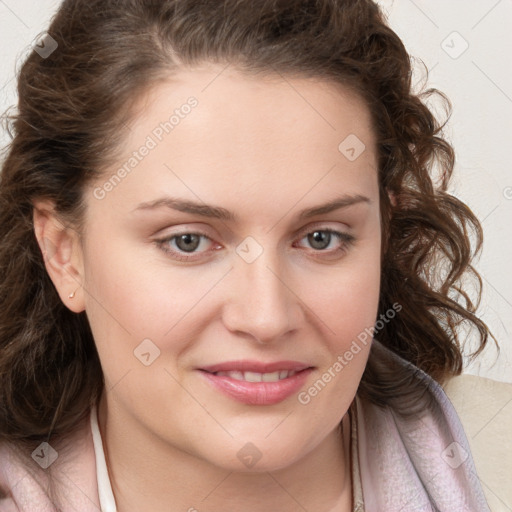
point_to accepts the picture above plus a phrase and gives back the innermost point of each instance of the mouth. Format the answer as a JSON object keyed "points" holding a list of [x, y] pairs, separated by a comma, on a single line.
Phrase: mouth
{"points": [[256, 383], [256, 376]]}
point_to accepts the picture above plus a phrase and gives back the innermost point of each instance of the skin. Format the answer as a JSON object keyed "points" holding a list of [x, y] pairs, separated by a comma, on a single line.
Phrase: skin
{"points": [[170, 438]]}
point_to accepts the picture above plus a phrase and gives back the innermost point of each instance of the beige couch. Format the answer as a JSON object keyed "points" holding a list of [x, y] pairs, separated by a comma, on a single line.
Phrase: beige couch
{"points": [[485, 409]]}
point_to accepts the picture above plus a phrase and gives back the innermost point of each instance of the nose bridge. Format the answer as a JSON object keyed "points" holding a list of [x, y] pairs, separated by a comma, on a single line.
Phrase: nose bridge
{"points": [[263, 305]]}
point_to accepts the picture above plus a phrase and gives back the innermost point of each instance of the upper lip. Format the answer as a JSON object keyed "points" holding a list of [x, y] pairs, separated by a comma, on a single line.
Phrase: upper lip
{"points": [[256, 366]]}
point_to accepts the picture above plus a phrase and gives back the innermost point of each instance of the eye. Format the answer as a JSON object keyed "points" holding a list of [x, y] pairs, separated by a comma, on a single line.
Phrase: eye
{"points": [[321, 239], [185, 246]]}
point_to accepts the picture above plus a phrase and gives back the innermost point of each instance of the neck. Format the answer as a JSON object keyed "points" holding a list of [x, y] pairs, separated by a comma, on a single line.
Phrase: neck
{"points": [[152, 475]]}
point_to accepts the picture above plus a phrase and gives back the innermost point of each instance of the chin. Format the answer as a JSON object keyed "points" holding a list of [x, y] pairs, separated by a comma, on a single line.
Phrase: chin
{"points": [[257, 457]]}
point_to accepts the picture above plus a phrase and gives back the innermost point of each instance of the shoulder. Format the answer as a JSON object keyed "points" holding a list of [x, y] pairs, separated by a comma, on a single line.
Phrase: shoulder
{"points": [[56, 476], [484, 407]]}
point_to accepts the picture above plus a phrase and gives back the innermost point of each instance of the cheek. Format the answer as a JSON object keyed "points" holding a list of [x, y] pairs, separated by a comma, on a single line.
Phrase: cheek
{"points": [[121, 305], [132, 298], [347, 300], [347, 306]]}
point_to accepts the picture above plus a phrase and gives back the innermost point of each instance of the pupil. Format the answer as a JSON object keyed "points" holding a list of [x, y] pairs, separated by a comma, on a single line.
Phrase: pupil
{"points": [[189, 241], [320, 237]]}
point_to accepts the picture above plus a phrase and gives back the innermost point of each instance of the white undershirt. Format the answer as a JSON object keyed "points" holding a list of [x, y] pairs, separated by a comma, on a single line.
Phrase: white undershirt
{"points": [[107, 501]]}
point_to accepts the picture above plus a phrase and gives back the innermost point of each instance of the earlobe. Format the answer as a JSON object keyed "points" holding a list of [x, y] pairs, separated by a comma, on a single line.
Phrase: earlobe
{"points": [[392, 197], [61, 253]]}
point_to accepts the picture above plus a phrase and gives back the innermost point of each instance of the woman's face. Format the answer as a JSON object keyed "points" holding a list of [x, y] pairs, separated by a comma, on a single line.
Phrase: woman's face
{"points": [[234, 269]]}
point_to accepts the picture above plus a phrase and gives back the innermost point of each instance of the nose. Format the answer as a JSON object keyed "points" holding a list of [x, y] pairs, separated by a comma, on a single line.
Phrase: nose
{"points": [[262, 302]]}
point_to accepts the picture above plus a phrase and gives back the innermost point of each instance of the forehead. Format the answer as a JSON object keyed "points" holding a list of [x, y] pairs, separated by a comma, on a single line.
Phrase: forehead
{"points": [[214, 129], [242, 100]]}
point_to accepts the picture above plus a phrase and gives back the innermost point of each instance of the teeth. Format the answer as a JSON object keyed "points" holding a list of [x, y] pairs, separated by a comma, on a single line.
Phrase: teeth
{"points": [[233, 375], [253, 377], [272, 377], [257, 377]]}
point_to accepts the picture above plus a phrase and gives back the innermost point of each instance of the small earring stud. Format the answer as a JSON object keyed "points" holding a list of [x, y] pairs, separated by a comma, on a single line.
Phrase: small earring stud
{"points": [[71, 295]]}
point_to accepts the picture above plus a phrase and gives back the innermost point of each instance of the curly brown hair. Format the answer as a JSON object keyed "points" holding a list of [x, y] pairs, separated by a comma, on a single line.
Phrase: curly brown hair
{"points": [[72, 114]]}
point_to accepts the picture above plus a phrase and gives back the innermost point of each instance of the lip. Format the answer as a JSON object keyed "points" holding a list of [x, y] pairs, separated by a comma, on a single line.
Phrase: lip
{"points": [[257, 393]]}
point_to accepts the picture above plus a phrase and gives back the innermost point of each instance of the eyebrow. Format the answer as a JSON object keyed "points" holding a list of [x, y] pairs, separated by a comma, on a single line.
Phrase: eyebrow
{"points": [[217, 212]]}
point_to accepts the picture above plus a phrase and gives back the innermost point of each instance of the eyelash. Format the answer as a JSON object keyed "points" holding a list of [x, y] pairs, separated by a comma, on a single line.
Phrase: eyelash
{"points": [[346, 240]]}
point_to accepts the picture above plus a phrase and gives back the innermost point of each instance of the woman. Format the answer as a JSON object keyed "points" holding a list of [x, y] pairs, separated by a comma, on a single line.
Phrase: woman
{"points": [[228, 280]]}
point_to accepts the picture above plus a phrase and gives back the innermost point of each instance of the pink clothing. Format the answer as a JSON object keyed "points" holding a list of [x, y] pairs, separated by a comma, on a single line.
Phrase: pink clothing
{"points": [[400, 462], [74, 473]]}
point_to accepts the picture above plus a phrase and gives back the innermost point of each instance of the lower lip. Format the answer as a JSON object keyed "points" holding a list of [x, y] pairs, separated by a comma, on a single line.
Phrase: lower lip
{"points": [[258, 393]]}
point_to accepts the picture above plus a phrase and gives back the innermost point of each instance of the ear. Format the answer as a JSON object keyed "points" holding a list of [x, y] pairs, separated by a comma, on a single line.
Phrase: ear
{"points": [[62, 253], [392, 197]]}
